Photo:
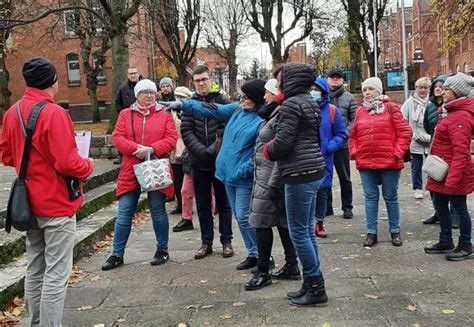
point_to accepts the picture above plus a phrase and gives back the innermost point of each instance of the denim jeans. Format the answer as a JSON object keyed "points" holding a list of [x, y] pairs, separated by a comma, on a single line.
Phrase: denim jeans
{"points": [[416, 174], [300, 201], [343, 170], [126, 209], [239, 198], [202, 182], [371, 178], [321, 203], [458, 205]]}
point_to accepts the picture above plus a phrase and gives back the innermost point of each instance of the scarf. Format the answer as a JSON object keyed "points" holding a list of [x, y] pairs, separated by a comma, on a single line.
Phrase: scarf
{"points": [[375, 106], [419, 107]]}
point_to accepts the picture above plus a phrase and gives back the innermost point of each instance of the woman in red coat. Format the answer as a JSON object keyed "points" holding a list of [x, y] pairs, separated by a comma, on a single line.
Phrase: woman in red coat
{"points": [[452, 142], [142, 128], [378, 141]]}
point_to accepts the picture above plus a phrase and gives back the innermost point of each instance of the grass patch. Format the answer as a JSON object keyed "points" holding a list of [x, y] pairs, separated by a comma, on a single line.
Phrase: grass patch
{"points": [[95, 128]]}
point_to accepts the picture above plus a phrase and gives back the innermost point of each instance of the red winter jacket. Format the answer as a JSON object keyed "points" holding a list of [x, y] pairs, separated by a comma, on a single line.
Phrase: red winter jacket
{"points": [[156, 130], [452, 142], [379, 141], [54, 150]]}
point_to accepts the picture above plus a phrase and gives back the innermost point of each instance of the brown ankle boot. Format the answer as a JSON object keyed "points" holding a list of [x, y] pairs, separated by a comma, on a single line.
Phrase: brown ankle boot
{"points": [[396, 239], [370, 240]]}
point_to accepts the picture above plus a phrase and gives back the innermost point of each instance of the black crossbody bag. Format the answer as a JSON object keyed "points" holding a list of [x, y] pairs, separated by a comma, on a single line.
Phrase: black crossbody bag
{"points": [[19, 213]]}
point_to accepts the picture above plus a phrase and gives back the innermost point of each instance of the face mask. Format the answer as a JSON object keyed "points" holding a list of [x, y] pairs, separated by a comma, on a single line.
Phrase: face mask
{"points": [[315, 94]]}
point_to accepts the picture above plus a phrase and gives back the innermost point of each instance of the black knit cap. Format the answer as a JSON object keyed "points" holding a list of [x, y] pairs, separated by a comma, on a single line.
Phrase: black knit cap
{"points": [[255, 90], [39, 73]]}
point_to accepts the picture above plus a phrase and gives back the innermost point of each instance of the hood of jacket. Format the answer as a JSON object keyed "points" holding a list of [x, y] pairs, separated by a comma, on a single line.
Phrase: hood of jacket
{"points": [[323, 85], [464, 103], [440, 78], [297, 78]]}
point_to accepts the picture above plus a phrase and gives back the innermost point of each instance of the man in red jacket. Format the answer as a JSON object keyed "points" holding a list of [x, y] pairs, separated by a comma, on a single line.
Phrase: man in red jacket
{"points": [[53, 157]]}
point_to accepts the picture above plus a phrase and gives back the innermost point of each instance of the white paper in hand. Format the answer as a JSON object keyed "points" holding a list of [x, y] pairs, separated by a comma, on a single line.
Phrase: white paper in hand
{"points": [[83, 143]]}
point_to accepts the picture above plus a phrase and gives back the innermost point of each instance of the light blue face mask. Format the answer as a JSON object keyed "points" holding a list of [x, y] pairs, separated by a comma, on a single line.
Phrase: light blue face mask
{"points": [[315, 94]]}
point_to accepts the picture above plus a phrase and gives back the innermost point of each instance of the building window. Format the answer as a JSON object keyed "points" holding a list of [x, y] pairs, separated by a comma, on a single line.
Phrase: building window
{"points": [[457, 69], [101, 77], [73, 71], [466, 68], [71, 21]]}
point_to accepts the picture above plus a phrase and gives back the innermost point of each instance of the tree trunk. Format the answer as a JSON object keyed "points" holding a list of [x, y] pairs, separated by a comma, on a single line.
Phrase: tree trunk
{"points": [[119, 67], [4, 78], [94, 105], [182, 74]]}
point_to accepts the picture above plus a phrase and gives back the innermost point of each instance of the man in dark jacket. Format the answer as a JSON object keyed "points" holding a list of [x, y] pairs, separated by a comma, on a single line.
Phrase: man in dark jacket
{"points": [[348, 106], [166, 90], [200, 136], [126, 96]]}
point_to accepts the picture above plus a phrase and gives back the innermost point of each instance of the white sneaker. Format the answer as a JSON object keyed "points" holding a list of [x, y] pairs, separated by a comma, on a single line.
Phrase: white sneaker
{"points": [[418, 194]]}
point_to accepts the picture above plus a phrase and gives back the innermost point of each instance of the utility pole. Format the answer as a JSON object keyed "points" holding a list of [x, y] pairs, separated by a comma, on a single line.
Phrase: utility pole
{"points": [[404, 52], [374, 21]]}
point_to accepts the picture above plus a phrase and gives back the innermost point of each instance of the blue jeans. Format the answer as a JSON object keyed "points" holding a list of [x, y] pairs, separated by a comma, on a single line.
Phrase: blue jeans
{"points": [[370, 184], [321, 203], [416, 174], [458, 204], [126, 209], [239, 198], [300, 201]]}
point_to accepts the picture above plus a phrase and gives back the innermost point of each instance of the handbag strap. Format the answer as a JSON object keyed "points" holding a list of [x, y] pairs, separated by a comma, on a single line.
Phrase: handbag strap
{"points": [[432, 140], [28, 132]]}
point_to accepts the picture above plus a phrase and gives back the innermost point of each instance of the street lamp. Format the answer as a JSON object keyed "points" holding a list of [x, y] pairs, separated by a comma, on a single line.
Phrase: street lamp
{"points": [[418, 56]]}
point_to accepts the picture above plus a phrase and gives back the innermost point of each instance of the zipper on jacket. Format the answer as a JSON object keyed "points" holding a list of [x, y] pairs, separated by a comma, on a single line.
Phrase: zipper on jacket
{"points": [[205, 131], [143, 130]]}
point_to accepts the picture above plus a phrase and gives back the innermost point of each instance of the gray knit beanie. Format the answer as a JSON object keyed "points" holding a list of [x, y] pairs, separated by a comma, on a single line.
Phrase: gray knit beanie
{"points": [[373, 82], [461, 84], [166, 80]]}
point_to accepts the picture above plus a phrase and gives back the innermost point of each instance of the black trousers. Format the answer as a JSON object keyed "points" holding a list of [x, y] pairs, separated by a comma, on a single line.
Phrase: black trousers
{"points": [[178, 183], [265, 244], [343, 170]]}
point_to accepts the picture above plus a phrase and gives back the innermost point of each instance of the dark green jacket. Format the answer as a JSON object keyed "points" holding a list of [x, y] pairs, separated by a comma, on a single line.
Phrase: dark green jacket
{"points": [[431, 113]]}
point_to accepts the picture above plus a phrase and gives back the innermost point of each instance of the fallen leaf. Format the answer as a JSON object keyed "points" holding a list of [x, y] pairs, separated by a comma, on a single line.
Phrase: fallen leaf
{"points": [[203, 280], [77, 275], [85, 307], [335, 241], [416, 325], [244, 275], [371, 296], [412, 307], [206, 323], [293, 308], [17, 311], [326, 324], [103, 244], [182, 324], [448, 311], [226, 316], [212, 292], [99, 325], [19, 302], [121, 320], [207, 306], [191, 306], [96, 278], [239, 304]]}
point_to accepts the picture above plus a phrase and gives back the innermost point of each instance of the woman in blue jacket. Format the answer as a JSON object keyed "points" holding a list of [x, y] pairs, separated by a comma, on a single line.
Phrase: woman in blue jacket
{"points": [[234, 163], [333, 135]]}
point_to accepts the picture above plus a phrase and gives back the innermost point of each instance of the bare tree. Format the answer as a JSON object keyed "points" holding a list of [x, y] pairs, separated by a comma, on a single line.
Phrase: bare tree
{"points": [[263, 14], [179, 22], [227, 30], [360, 23], [5, 14]]}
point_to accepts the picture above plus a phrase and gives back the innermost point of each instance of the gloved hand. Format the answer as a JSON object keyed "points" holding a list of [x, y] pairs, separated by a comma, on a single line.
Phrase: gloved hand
{"points": [[172, 105]]}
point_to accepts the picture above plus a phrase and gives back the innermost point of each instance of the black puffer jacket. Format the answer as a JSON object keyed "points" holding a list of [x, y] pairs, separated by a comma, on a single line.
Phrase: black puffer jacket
{"points": [[199, 135], [296, 143]]}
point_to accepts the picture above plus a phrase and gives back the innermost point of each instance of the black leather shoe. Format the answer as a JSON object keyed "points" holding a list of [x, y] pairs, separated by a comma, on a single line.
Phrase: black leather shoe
{"points": [[288, 271], [432, 220], [260, 279], [271, 265], [439, 248], [112, 262], [370, 240], [248, 263], [176, 210], [161, 256], [348, 214], [183, 224], [203, 251]]}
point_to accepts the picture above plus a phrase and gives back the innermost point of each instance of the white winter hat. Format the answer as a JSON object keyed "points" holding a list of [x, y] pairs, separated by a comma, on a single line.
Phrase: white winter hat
{"points": [[143, 85], [270, 86], [373, 82], [183, 92]]}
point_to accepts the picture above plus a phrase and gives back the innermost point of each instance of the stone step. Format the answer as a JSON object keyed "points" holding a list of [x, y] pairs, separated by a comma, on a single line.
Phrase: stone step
{"points": [[104, 172], [13, 244], [89, 230]]}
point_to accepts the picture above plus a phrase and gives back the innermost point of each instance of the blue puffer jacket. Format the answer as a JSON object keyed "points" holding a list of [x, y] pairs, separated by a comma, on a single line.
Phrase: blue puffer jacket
{"points": [[234, 163], [333, 136]]}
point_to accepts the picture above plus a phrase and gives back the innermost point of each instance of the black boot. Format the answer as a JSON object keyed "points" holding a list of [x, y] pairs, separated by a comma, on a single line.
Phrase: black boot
{"points": [[315, 294], [288, 271], [260, 279]]}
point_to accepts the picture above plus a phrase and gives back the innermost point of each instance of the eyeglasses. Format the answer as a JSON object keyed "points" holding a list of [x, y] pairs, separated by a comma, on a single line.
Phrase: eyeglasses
{"points": [[148, 92], [446, 88], [244, 97], [202, 80], [132, 73]]}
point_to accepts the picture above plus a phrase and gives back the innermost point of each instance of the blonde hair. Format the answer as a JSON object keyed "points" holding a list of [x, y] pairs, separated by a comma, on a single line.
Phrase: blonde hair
{"points": [[423, 81]]}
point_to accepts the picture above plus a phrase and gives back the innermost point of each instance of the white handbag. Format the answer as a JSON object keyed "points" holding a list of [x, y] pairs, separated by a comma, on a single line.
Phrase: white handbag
{"points": [[153, 175], [434, 166]]}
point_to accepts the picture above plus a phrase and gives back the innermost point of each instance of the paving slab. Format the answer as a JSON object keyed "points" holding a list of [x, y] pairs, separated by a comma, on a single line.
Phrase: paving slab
{"points": [[366, 287]]}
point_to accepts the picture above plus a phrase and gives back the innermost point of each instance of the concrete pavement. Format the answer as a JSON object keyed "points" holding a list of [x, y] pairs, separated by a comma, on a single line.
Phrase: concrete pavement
{"points": [[382, 286]]}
